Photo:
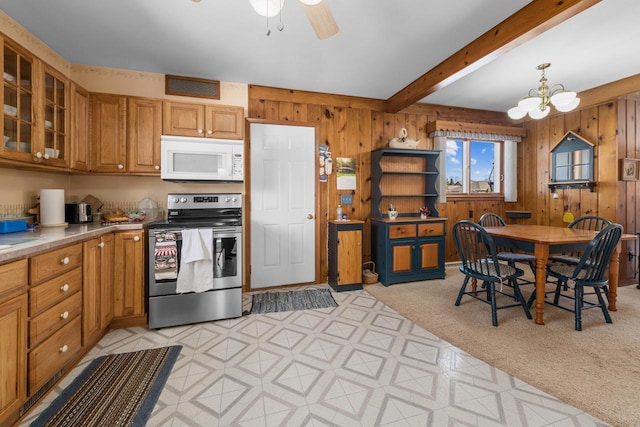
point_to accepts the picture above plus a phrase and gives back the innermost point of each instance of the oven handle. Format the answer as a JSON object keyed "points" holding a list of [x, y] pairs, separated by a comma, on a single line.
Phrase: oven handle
{"points": [[217, 231]]}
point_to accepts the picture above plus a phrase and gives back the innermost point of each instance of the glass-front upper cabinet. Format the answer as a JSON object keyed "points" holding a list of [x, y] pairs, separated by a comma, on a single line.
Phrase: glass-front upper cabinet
{"points": [[17, 129], [55, 115]]}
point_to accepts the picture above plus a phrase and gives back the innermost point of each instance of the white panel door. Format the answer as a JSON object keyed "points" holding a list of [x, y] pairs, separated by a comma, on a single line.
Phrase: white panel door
{"points": [[282, 205]]}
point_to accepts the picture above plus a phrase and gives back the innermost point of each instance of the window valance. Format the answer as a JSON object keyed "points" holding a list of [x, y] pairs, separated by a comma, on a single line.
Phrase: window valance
{"points": [[476, 131]]}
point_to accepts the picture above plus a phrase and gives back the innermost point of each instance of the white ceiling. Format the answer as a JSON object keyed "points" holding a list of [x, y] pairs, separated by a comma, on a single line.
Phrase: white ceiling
{"points": [[382, 46]]}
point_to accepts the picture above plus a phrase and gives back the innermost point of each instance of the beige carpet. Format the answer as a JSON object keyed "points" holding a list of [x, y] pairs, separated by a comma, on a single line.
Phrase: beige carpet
{"points": [[596, 370]]}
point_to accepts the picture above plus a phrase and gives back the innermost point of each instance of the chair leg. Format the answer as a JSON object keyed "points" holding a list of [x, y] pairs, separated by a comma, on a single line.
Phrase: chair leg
{"points": [[519, 297], [603, 306], [560, 285], [579, 295], [491, 289], [462, 290]]}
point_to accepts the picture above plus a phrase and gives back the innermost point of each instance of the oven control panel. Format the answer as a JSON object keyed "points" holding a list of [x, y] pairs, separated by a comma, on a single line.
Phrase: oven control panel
{"points": [[204, 201]]}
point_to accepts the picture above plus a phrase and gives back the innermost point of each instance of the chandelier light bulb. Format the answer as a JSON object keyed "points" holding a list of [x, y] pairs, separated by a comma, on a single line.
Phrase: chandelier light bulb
{"points": [[562, 97], [538, 113], [516, 113], [538, 101], [568, 107], [529, 103], [310, 2]]}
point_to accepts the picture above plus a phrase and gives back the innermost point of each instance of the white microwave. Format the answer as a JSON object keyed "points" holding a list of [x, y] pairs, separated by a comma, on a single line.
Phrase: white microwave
{"points": [[201, 159]]}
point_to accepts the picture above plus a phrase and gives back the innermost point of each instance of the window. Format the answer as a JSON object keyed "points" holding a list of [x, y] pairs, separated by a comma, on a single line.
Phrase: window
{"points": [[473, 167]]}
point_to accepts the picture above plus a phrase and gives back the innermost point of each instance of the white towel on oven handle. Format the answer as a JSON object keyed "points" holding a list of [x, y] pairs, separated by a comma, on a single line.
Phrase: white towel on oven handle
{"points": [[196, 261]]}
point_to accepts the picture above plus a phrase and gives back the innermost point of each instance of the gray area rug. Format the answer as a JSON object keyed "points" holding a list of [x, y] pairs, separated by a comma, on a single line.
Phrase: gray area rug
{"points": [[307, 299]]}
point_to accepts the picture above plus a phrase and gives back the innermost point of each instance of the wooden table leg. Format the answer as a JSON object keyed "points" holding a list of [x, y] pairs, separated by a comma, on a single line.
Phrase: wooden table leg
{"points": [[614, 273], [541, 251]]}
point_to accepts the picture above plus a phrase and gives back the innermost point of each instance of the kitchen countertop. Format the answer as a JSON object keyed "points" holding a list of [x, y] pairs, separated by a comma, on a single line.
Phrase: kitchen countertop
{"points": [[41, 239]]}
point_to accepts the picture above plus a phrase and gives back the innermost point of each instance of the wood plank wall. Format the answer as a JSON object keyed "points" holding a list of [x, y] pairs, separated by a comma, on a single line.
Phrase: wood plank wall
{"points": [[352, 127], [612, 127]]}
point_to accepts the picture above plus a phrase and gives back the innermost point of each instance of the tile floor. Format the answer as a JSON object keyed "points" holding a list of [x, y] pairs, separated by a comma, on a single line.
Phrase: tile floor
{"points": [[360, 364]]}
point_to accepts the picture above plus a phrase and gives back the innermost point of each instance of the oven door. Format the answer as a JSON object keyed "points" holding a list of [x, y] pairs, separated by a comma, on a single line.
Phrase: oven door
{"points": [[164, 255]]}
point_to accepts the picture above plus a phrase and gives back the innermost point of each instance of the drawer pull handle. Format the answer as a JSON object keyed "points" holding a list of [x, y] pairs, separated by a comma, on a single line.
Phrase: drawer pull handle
{"points": [[64, 348], [64, 288], [64, 315], [156, 167], [101, 245], [136, 239], [64, 260], [120, 166]]}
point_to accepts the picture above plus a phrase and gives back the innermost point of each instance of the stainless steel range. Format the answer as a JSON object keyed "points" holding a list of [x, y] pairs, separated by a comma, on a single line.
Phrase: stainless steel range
{"points": [[195, 260]]}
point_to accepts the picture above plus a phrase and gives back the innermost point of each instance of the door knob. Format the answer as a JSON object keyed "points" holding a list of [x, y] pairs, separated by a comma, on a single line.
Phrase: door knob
{"points": [[310, 216]]}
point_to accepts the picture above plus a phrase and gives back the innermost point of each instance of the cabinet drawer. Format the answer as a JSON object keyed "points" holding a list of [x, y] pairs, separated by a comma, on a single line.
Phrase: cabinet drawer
{"points": [[50, 356], [55, 290], [402, 231], [14, 278], [52, 263], [432, 229], [53, 319]]}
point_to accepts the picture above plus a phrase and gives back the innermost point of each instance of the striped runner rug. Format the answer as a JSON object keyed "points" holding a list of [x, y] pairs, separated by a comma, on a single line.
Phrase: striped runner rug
{"points": [[306, 299], [115, 390]]}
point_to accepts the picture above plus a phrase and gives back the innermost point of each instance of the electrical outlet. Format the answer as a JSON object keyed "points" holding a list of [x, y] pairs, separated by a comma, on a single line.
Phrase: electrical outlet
{"points": [[346, 199]]}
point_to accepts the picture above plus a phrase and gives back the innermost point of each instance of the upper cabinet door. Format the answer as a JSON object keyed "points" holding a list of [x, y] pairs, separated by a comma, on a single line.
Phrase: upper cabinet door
{"points": [[144, 128], [183, 119], [56, 118], [108, 133], [79, 138], [224, 122], [17, 126]]}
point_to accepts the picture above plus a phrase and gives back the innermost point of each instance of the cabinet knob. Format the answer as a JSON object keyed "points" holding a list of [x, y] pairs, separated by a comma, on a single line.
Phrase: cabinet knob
{"points": [[64, 348], [38, 155], [200, 131], [136, 239], [310, 216], [101, 245], [64, 260], [46, 156], [156, 167], [64, 315], [209, 132], [64, 288], [120, 166]]}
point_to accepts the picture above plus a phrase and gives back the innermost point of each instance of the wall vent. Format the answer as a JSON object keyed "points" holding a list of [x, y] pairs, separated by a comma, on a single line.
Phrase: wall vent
{"points": [[191, 86]]}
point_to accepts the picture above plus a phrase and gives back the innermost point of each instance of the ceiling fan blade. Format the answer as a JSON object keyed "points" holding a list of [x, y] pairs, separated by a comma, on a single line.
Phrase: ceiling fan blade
{"points": [[321, 19]]}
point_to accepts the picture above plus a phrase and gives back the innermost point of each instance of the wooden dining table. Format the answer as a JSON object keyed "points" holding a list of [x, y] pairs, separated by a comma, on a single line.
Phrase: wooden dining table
{"points": [[543, 240]]}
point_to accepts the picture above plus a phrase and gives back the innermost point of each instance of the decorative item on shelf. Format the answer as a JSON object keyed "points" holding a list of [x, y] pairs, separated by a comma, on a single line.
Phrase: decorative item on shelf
{"points": [[403, 142], [393, 213], [424, 212], [537, 101]]}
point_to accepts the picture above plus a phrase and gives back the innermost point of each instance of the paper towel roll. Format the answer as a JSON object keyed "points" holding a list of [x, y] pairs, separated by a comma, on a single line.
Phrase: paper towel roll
{"points": [[52, 208]]}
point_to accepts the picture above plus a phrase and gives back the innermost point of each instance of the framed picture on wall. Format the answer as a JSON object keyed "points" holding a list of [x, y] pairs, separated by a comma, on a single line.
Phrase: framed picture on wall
{"points": [[629, 169]]}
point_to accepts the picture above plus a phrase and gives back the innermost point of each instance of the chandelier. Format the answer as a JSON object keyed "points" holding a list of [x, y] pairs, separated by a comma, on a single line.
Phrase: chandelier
{"points": [[536, 102]]}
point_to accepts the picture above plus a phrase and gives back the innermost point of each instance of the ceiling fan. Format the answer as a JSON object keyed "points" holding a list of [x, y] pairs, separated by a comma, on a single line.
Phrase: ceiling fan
{"points": [[317, 12]]}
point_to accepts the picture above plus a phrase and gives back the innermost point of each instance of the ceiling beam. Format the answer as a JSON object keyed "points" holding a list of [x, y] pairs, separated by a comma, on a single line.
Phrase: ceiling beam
{"points": [[527, 23]]}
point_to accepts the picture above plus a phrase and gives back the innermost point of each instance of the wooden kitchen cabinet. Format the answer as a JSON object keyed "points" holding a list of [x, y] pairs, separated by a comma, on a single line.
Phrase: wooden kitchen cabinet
{"points": [[407, 250], [18, 127], [345, 255], [203, 120], [129, 292], [54, 106], [80, 152], [97, 287], [108, 133], [13, 339], [144, 128], [55, 307]]}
